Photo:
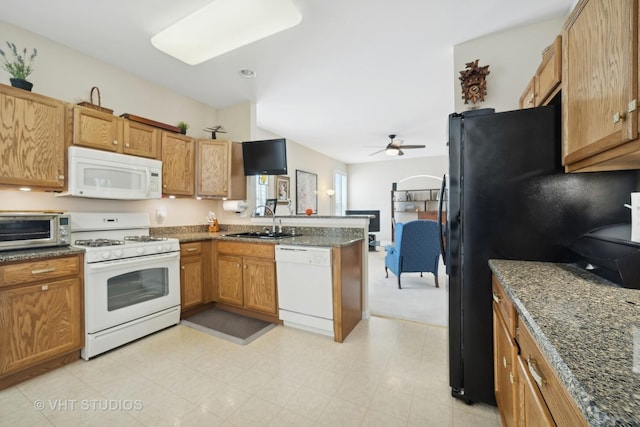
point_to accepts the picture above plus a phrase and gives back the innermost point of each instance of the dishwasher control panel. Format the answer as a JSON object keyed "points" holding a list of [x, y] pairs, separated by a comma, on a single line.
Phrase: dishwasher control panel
{"points": [[313, 255]]}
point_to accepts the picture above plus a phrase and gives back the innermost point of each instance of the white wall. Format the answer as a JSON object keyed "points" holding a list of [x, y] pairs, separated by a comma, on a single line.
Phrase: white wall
{"points": [[513, 57], [65, 74], [370, 184]]}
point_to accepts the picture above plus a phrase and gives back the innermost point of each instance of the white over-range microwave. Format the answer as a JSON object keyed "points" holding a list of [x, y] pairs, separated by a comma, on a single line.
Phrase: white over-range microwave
{"points": [[105, 175]]}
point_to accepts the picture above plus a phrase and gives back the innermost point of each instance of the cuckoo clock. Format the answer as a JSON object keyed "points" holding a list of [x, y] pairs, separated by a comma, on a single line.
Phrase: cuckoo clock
{"points": [[474, 85]]}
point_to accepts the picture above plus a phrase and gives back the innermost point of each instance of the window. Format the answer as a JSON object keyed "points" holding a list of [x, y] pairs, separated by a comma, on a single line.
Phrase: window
{"points": [[340, 185], [262, 189]]}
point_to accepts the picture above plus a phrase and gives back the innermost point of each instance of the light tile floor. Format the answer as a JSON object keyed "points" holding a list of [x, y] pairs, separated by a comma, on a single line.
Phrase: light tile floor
{"points": [[386, 373]]}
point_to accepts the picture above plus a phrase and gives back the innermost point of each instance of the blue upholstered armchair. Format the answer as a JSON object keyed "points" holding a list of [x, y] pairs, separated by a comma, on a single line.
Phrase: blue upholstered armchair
{"points": [[416, 249]]}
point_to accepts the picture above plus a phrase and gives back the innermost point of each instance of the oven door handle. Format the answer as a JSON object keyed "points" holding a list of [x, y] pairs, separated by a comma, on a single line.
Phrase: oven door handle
{"points": [[124, 262]]}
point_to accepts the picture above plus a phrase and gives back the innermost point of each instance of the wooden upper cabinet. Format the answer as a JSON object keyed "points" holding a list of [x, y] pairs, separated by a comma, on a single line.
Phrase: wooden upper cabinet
{"points": [[545, 84], [528, 98], [178, 164], [212, 179], [219, 171], [104, 131], [600, 86], [31, 126], [549, 73], [140, 140], [95, 129]]}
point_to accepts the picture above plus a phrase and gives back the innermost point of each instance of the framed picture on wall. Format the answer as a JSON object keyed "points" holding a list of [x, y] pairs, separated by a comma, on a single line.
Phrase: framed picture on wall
{"points": [[306, 192], [283, 192]]}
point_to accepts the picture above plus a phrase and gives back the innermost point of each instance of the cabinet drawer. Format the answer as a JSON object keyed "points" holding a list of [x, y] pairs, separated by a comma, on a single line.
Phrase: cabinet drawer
{"points": [[192, 248], [504, 306], [256, 250], [564, 410], [25, 272]]}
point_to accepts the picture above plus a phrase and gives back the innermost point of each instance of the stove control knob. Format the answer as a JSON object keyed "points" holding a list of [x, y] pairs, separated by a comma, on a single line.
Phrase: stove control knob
{"points": [[106, 254], [159, 248], [140, 251], [167, 247], [118, 253]]}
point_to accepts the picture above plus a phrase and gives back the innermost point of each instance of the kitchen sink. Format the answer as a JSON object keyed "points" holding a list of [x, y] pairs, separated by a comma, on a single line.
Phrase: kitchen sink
{"points": [[260, 235]]}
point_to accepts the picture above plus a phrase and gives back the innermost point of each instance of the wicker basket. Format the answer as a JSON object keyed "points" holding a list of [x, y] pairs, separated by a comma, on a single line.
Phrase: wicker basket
{"points": [[97, 106]]}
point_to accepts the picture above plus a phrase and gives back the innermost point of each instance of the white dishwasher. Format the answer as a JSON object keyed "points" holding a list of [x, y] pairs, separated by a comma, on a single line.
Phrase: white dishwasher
{"points": [[305, 287]]}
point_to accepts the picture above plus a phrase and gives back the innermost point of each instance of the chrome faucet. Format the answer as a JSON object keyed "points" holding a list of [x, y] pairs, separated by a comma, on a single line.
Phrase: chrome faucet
{"points": [[273, 228]]}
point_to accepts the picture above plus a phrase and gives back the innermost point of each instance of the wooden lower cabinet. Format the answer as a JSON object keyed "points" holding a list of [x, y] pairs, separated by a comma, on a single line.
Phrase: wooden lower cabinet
{"points": [[505, 353], [230, 280], [531, 405], [192, 274], [505, 371], [528, 391], [246, 276], [41, 316]]}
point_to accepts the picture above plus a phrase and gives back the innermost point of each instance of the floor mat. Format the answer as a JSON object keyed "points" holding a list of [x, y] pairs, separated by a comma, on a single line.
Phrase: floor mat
{"points": [[228, 326]]}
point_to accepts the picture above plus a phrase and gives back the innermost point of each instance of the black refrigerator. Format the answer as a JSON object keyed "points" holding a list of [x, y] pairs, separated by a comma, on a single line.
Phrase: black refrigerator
{"points": [[508, 198]]}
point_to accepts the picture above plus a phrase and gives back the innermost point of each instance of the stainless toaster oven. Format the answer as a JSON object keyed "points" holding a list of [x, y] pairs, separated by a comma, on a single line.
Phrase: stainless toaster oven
{"points": [[25, 230]]}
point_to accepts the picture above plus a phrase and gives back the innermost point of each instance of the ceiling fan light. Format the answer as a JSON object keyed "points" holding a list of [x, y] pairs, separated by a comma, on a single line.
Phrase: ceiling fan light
{"points": [[392, 151], [225, 25]]}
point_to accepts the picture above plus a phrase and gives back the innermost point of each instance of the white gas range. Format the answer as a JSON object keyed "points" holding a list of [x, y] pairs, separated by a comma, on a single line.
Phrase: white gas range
{"points": [[131, 279]]}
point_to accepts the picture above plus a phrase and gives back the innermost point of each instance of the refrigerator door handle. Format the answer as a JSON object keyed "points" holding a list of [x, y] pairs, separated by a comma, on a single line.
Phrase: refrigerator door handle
{"points": [[441, 235]]}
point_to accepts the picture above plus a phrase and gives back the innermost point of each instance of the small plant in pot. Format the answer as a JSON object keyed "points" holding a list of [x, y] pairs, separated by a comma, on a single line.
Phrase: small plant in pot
{"points": [[19, 65], [183, 127]]}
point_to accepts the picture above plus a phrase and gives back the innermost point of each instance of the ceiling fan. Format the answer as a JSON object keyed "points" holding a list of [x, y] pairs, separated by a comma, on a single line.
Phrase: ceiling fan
{"points": [[394, 147]]}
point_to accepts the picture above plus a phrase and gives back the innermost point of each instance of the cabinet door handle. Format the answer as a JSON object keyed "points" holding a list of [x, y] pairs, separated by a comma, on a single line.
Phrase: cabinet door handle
{"points": [[182, 267], [43, 270], [532, 365], [127, 145], [512, 379], [45, 287], [115, 142], [192, 249], [504, 362], [496, 298], [618, 116]]}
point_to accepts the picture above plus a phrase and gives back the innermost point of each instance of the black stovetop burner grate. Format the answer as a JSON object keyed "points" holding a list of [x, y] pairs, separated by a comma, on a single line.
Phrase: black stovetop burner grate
{"points": [[93, 243], [143, 238]]}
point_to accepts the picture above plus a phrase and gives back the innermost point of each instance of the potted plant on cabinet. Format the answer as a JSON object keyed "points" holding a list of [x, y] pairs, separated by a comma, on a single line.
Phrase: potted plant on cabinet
{"points": [[19, 66], [183, 127]]}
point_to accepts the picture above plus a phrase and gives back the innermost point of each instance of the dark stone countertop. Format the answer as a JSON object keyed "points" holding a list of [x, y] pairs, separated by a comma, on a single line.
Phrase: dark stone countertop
{"points": [[589, 331], [303, 240], [33, 254], [306, 236]]}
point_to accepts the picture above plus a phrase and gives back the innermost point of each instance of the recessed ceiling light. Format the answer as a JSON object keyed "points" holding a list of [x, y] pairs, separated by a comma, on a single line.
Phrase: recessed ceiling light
{"points": [[225, 25], [247, 73]]}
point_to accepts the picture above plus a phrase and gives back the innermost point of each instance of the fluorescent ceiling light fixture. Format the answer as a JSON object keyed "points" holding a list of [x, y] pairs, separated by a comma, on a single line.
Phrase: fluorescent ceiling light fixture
{"points": [[225, 25]]}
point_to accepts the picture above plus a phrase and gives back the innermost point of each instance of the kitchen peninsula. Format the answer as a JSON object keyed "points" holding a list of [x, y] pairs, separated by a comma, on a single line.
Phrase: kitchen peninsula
{"points": [[216, 279]]}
